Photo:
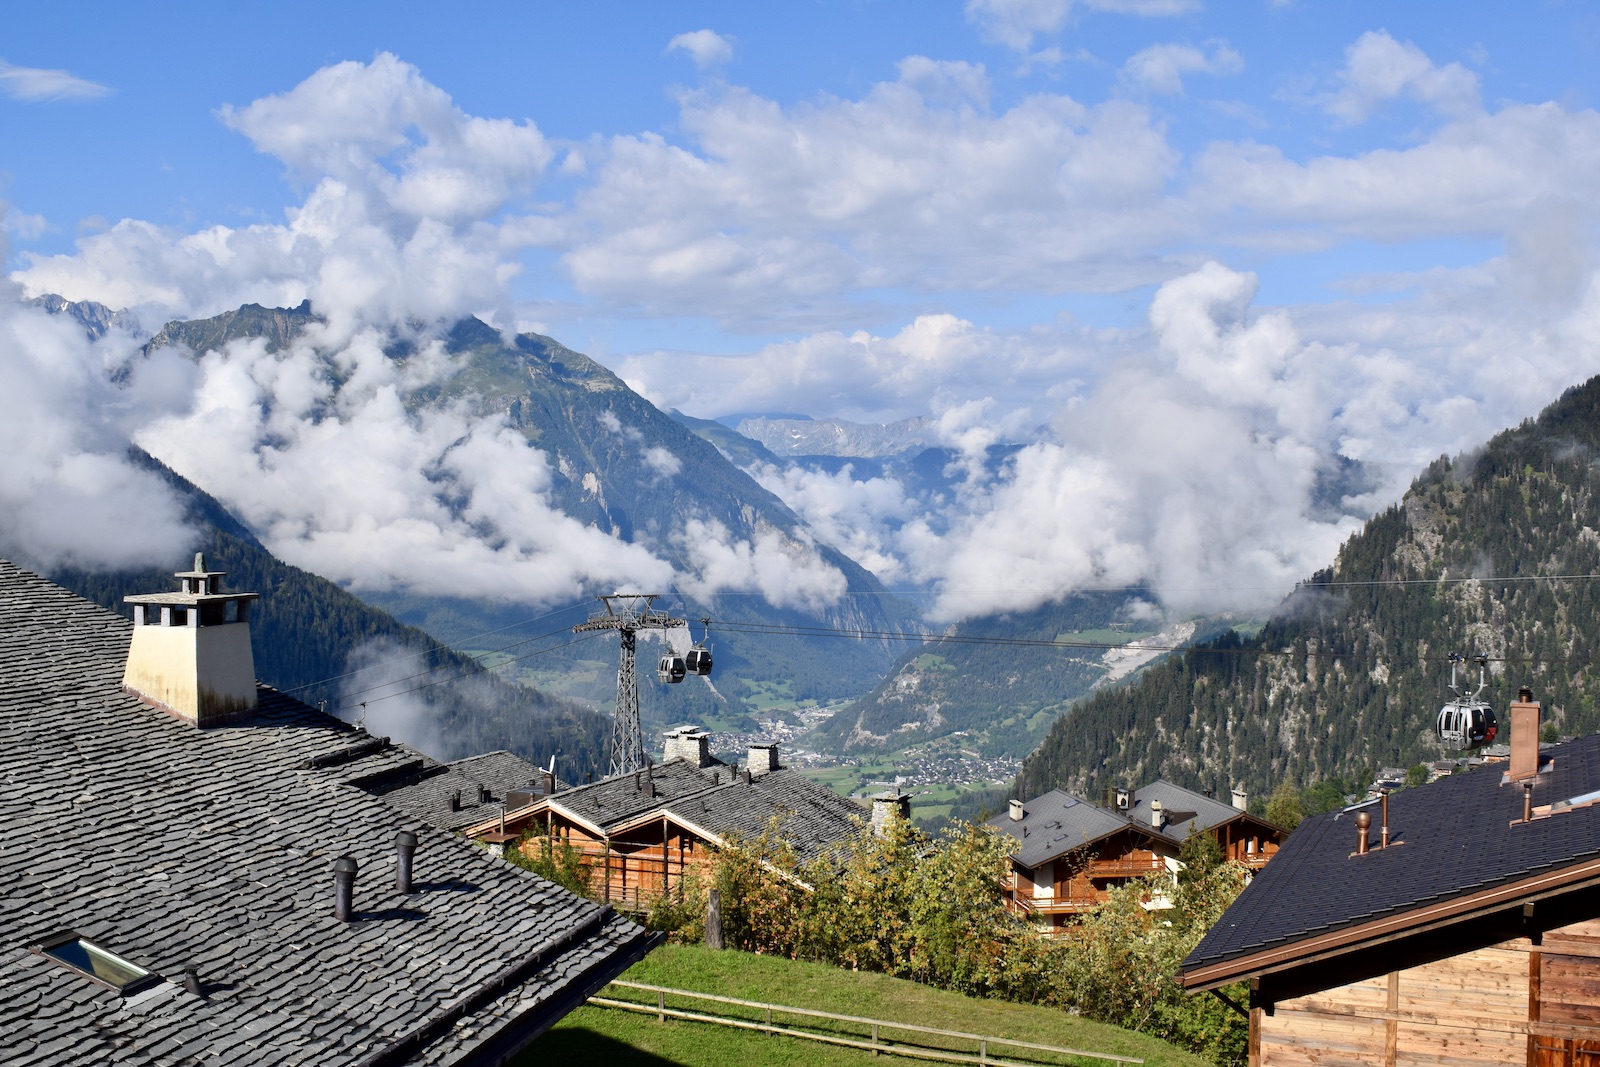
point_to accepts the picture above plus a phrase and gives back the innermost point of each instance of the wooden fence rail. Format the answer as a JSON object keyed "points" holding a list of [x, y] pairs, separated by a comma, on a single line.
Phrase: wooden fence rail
{"points": [[877, 1044]]}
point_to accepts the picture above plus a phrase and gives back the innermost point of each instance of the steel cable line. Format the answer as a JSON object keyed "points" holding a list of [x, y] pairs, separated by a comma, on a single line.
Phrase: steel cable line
{"points": [[455, 677], [1024, 642], [437, 647], [475, 659], [778, 629]]}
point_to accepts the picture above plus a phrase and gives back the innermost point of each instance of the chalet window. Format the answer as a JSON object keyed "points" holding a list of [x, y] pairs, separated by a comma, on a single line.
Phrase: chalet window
{"points": [[95, 963]]}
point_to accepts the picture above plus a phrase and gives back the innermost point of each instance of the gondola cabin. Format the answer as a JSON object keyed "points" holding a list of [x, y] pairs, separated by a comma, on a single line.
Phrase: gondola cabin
{"points": [[671, 668], [698, 661], [1467, 724]]}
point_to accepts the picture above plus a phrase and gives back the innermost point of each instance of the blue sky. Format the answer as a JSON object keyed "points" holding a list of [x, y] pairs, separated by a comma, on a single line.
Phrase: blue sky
{"points": [[1192, 254]]}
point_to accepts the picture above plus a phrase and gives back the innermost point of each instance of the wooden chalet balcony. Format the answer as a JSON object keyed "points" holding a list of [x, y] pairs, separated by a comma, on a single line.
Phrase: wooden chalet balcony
{"points": [[1056, 905], [1127, 868]]}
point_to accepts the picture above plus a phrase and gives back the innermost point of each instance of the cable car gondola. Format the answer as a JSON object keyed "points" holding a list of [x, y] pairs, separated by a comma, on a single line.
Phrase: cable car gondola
{"points": [[1467, 722], [698, 659], [671, 668]]}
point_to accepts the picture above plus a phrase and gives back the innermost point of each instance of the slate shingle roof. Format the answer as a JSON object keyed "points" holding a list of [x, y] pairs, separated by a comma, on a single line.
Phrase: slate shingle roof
{"points": [[1055, 823], [1449, 838], [1185, 811], [812, 819], [427, 790], [170, 845]]}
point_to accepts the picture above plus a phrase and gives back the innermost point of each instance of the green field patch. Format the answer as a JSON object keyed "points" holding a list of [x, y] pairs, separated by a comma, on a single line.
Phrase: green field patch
{"points": [[609, 1035]]}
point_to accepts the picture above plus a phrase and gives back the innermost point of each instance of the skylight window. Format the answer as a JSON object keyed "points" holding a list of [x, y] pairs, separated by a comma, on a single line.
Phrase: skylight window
{"points": [[95, 963]]}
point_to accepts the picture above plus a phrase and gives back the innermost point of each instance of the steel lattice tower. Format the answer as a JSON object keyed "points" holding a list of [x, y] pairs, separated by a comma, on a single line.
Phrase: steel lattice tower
{"points": [[628, 614]]}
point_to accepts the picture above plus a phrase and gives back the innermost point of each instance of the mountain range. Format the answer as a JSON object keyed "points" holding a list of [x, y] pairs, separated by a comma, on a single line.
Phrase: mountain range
{"points": [[618, 465]]}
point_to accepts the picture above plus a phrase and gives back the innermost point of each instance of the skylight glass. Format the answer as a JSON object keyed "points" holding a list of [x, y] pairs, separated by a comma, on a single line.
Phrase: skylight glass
{"points": [[92, 961]]}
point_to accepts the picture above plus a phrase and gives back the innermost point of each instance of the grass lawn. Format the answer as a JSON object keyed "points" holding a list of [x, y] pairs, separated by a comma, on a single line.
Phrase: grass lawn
{"points": [[593, 1035]]}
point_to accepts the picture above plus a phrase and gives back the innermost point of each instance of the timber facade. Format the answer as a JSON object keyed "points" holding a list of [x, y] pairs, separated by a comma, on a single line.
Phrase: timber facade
{"points": [[1527, 1000]]}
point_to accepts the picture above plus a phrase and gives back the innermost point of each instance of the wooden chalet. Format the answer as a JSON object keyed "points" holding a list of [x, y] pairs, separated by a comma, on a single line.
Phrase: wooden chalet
{"points": [[1071, 853], [1454, 923], [642, 833]]}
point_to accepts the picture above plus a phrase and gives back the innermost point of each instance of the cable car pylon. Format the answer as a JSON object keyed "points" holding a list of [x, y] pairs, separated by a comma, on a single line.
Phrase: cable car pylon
{"points": [[628, 614]]}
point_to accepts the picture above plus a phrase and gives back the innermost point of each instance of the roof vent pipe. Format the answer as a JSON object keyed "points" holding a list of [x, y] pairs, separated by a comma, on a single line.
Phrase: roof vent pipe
{"points": [[1527, 800], [344, 886], [189, 978], [484, 796], [405, 847], [1016, 811], [1383, 831], [455, 800], [1363, 820]]}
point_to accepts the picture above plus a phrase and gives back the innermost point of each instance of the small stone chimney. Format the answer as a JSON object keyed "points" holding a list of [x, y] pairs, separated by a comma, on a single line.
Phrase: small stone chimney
{"points": [[1241, 799], [688, 743], [1017, 811], [761, 759], [190, 652], [1524, 736], [1158, 817], [887, 807]]}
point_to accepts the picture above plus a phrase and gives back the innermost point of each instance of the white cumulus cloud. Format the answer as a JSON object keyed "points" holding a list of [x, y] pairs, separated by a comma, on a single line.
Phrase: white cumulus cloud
{"points": [[1378, 68], [706, 47], [1160, 68]]}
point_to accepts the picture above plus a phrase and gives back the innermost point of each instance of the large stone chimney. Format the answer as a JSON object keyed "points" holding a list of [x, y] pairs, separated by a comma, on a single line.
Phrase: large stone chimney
{"points": [[190, 652], [688, 743], [887, 807], [762, 759]]}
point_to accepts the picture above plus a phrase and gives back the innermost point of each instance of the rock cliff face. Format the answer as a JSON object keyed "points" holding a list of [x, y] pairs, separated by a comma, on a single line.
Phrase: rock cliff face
{"points": [[1493, 553]]}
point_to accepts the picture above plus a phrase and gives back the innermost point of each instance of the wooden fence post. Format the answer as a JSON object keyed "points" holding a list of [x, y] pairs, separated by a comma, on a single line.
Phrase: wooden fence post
{"points": [[714, 919]]}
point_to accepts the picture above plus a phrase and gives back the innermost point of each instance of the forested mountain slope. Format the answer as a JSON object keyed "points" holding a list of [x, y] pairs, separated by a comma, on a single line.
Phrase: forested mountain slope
{"points": [[307, 634], [1489, 553]]}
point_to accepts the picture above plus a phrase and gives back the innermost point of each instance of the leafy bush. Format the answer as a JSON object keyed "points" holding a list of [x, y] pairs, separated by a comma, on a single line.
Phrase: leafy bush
{"points": [[558, 863], [934, 911]]}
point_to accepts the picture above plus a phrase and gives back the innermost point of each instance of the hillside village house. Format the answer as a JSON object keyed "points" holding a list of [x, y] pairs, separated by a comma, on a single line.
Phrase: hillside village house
{"points": [[198, 868], [1071, 853], [644, 832], [1456, 923]]}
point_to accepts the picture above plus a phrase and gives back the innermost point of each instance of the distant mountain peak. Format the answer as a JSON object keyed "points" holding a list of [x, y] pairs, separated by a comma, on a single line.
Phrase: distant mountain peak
{"points": [[805, 436], [97, 319]]}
